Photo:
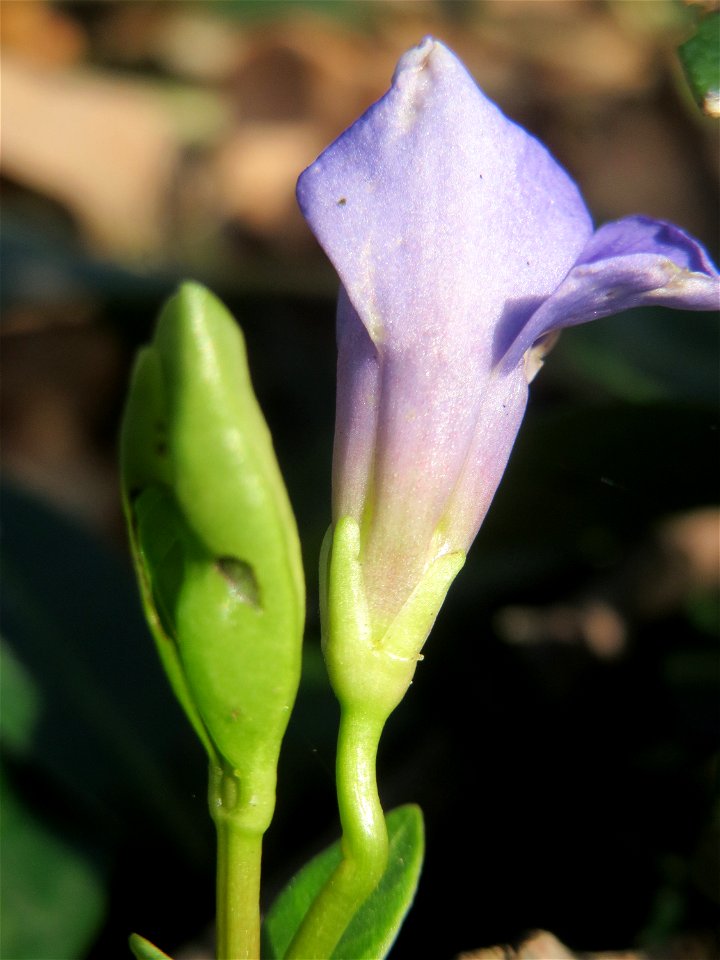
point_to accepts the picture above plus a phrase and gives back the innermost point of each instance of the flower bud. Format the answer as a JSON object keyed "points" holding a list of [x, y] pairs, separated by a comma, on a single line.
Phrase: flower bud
{"points": [[213, 535]]}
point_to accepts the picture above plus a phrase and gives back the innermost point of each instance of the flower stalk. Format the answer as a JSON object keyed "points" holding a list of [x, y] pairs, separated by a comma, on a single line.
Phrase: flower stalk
{"points": [[240, 822], [364, 839], [370, 674]]}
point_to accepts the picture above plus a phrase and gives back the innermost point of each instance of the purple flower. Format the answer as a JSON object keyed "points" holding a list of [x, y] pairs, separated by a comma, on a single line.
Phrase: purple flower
{"points": [[462, 247]]}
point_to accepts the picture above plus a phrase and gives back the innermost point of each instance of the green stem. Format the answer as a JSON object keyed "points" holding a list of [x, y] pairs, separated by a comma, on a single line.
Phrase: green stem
{"points": [[238, 893], [239, 855], [364, 840]]}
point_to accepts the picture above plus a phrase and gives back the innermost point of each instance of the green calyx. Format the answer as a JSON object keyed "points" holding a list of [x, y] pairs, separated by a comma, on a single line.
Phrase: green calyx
{"points": [[371, 673], [213, 535]]}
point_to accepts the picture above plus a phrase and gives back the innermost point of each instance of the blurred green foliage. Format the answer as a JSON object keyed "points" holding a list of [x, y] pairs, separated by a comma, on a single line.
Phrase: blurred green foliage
{"points": [[93, 743], [700, 57], [54, 898]]}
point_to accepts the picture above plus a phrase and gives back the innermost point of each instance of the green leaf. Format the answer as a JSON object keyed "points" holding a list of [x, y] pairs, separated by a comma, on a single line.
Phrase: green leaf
{"points": [[142, 949], [375, 926], [699, 57], [51, 896], [213, 534]]}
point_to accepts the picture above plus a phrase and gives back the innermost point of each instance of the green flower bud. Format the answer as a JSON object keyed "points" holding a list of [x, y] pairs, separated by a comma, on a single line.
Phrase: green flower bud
{"points": [[213, 535]]}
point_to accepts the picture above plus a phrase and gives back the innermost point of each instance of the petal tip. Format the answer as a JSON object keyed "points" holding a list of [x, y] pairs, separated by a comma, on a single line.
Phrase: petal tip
{"points": [[429, 54]]}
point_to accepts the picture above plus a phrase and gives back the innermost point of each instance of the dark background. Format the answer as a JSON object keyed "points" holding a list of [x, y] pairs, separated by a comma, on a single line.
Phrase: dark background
{"points": [[561, 733]]}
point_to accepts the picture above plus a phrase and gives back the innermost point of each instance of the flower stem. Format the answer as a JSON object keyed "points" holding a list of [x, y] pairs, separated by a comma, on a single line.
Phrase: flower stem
{"points": [[238, 893], [364, 840], [239, 855]]}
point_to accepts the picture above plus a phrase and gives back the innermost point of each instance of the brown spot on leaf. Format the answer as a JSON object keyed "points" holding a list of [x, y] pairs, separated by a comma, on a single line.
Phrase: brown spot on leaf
{"points": [[241, 578]]}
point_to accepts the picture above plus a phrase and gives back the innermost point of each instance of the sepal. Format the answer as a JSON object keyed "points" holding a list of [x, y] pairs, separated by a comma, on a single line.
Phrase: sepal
{"points": [[369, 665]]}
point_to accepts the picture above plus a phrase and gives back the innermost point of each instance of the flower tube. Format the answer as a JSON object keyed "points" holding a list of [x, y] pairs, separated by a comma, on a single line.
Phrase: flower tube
{"points": [[462, 248]]}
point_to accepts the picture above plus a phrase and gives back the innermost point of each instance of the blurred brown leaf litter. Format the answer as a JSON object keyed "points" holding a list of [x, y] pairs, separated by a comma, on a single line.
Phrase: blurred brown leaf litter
{"points": [[679, 560], [542, 945], [143, 114], [158, 133]]}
